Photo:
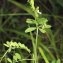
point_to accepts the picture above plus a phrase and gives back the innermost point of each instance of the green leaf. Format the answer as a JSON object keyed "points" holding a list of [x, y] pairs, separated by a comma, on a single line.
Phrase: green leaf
{"points": [[45, 26], [48, 51], [6, 45], [43, 55], [37, 10], [32, 4], [30, 21], [22, 46], [48, 26], [9, 60], [43, 30], [30, 29], [42, 20], [14, 45], [17, 57]]}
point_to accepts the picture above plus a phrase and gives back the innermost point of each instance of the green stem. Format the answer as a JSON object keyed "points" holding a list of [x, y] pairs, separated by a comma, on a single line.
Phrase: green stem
{"points": [[43, 55], [33, 43], [36, 36], [36, 56], [4, 55]]}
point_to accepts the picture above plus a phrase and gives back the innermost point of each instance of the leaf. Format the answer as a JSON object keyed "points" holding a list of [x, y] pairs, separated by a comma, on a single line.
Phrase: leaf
{"points": [[6, 45], [30, 21], [16, 45], [45, 26], [42, 20], [37, 9], [48, 26], [32, 4], [48, 51], [30, 29], [9, 60], [17, 57], [22, 46], [43, 30], [13, 45], [43, 55]]}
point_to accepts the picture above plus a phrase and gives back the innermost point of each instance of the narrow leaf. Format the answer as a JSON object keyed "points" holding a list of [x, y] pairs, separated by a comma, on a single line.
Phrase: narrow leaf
{"points": [[43, 55]]}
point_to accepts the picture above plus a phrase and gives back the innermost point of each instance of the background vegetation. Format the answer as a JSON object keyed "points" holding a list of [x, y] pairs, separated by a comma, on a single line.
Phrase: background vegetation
{"points": [[13, 15]]}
